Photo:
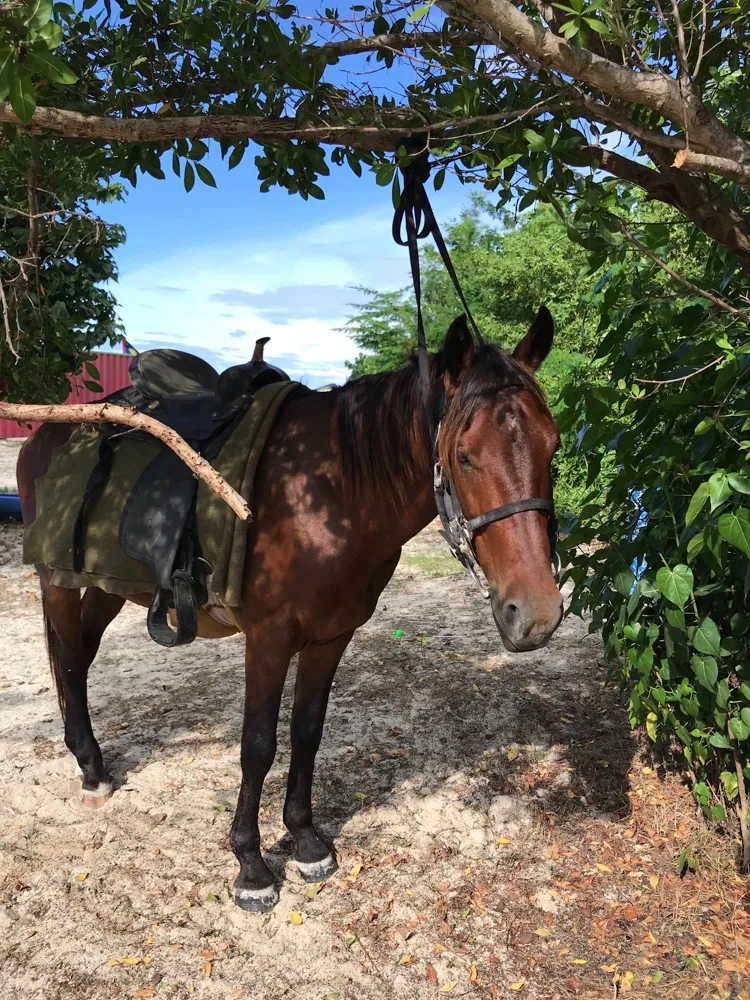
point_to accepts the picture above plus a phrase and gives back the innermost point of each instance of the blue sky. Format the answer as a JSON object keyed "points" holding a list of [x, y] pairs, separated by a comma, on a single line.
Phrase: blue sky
{"points": [[212, 270]]}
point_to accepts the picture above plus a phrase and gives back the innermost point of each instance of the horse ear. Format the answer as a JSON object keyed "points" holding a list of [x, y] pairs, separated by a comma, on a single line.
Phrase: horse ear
{"points": [[536, 345], [259, 345], [457, 351]]}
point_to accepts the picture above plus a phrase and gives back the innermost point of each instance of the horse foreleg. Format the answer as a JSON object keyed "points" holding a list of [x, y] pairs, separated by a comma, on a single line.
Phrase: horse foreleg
{"points": [[315, 671], [267, 655], [74, 631]]}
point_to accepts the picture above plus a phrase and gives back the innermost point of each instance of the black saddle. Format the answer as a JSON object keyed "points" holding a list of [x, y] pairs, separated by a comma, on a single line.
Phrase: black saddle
{"points": [[158, 525]]}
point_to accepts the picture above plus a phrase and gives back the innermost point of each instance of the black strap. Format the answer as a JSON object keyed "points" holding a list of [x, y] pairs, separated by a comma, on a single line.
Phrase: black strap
{"points": [[507, 510], [414, 214]]}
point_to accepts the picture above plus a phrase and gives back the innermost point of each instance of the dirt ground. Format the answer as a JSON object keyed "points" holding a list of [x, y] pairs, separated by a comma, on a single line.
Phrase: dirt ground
{"points": [[499, 832]]}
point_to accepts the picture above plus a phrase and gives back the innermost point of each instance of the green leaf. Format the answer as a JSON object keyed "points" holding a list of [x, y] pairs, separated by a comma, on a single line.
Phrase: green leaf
{"points": [[675, 584], [205, 175], [739, 483], [676, 618], [705, 637], [697, 503], [8, 63], [536, 142], [735, 528], [719, 740], [623, 582], [738, 727], [419, 12], [22, 97], [40, 12], [706, 671], [718, 489], [651, 720], [50, 66], [188, 177]]}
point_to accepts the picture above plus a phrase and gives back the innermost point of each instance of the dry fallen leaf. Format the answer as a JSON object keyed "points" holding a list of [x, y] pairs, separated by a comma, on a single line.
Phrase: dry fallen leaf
{"points": [[543, 932], [431, 974], [405, 960], [190, 760], [604, 868], [295, 918], [356, 869], [146, 991], [653, 880], [82, 876], [609, 968], [580, 961], [447, 987], [207, 967], [473, 974], [502, 840], [208, 954], [517, 985]]}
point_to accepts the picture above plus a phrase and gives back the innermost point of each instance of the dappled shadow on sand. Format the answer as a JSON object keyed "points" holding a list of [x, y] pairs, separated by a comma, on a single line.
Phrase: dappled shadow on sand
{"points": [[443, 707]]}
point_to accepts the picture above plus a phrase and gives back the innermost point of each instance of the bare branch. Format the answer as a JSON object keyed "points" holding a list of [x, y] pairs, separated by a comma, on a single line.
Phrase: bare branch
{"points": [[702, 163], [108, 413]]}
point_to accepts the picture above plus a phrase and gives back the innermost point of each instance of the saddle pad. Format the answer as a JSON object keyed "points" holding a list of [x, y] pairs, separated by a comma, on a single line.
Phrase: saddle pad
{"points": [[223, 537]]}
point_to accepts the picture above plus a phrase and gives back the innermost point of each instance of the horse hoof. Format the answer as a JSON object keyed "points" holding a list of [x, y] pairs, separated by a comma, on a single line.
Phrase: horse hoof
{"points": [[95, 798], [257, 900], [317, 871]]}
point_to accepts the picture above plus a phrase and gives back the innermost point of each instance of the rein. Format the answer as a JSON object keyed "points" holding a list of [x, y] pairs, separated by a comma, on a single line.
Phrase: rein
{"points": [[414, 220]]}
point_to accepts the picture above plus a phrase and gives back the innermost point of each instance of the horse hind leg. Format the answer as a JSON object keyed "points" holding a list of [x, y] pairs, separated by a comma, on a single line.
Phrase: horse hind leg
{"points": [[74, 631]]}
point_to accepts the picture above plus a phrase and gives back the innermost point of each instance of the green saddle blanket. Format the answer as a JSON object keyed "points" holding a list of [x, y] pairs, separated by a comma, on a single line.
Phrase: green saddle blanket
{"points": [[222, 535]]}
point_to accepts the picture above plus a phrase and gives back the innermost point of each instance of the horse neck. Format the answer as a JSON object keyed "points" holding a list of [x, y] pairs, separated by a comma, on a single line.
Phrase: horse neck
{"points": [[385, 448]]}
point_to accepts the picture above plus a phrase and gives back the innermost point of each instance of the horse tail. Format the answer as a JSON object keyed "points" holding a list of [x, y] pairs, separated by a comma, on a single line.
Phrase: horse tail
{"points": [[53, 655]]}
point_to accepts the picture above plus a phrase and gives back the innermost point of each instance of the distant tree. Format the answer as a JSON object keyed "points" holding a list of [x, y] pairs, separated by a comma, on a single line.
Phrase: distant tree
{"points": [[507, 269]]}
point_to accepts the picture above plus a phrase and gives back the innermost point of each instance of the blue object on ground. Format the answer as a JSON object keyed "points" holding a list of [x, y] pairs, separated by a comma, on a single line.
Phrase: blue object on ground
{"points": [[10, 507]]}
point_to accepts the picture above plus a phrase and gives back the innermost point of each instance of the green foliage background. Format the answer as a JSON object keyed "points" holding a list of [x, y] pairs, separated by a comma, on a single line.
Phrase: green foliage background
{"points": [[57, 310]]}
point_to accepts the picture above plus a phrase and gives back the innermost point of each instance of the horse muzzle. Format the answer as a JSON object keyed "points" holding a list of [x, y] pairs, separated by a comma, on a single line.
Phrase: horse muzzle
{"points": [[526, 625]]}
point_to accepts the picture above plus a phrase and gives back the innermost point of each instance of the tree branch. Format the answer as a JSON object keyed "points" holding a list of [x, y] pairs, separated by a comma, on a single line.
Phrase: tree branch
{"points": [[108, 413], [719, 303], [397, 42], [703, 163], [656, 91]]}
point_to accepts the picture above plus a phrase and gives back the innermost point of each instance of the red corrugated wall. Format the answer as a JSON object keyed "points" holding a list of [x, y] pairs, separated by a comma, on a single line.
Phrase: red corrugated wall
{"points": [[113, 372]]}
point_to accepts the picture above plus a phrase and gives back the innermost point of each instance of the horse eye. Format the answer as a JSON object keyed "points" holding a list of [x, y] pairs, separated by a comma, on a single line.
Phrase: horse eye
{"points": [[464, 460]]}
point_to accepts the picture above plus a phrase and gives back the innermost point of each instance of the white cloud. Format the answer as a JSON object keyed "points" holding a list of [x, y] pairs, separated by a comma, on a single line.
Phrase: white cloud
{"points": [[201, 297]]}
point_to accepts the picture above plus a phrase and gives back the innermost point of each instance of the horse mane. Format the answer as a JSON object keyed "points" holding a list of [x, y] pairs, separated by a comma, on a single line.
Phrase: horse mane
{"points": [[383, 443]]}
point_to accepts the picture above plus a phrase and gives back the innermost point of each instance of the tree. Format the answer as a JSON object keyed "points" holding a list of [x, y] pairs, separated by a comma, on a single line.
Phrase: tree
{"points": [[517, 93], [55, 253]]}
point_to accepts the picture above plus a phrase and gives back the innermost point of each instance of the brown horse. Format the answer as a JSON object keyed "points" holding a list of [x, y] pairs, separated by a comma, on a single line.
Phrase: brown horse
{"points": [[346, 480]]}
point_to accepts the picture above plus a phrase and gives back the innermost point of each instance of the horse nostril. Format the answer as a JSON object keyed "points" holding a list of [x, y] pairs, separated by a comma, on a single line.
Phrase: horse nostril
{"points": [[510, 613]]}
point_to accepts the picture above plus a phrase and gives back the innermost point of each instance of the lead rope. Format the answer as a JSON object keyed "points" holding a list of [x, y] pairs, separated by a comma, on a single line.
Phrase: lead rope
{"points": [[414, 215]]}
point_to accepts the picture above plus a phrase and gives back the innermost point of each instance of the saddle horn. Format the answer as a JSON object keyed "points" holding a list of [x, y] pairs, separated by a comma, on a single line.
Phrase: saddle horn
{"points": [[259, 345]]}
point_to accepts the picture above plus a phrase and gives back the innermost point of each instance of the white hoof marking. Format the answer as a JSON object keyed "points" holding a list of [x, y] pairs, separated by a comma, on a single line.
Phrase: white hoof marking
{"points": [[314, 871]]}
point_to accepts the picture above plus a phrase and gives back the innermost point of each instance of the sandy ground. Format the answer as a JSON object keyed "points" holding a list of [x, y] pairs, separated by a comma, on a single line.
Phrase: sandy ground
{"points": [[9, 448], [469, 793]]}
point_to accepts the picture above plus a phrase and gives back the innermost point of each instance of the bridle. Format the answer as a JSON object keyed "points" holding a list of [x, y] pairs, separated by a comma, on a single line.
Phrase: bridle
{"points": [[414, 213]]}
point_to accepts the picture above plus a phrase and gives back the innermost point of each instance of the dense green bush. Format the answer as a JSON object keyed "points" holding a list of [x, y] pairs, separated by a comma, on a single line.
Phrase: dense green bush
{"points": [[668, 406]]}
